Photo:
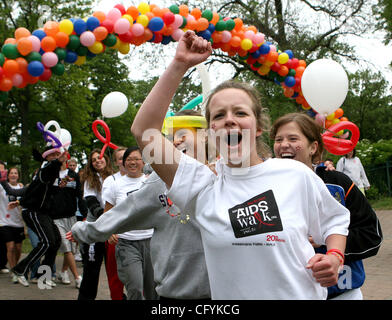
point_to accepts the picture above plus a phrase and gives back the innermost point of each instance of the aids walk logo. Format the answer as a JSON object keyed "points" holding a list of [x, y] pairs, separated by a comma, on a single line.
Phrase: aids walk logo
{"points": [[255, 216]]}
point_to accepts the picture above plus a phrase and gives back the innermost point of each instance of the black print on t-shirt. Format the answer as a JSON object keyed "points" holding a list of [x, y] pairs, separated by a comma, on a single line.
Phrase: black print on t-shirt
{"points": [[255, 216], [129, 192]]}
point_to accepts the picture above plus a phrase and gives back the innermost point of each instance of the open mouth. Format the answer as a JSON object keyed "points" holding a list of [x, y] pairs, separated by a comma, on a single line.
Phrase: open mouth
{"points": [[287, 155], [233, 139]]}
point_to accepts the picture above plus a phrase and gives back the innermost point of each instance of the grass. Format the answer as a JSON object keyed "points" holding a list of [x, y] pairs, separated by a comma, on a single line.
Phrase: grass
{"points": [[384, 203]]}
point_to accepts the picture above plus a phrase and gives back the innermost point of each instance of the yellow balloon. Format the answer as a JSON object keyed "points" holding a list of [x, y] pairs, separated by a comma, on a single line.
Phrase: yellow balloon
{"points": [[96, 48], [339, 133], [80, 60], [124, 48], [331, 116], [263, 70], [283, 58], [143, 20], [335, 121], [129, 18], [66, 26], [143, 7], [246, 44]]}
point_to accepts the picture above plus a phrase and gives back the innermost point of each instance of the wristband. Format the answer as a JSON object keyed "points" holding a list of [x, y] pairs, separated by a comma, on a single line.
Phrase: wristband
{"points": [[341, 261], [336, 251]]}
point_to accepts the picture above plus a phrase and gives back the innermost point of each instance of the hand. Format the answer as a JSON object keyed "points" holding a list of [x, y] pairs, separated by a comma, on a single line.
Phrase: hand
{"points": [[325, 269], [12, 205], [192, 49], [113, 239], [69, 236], [329, 166]]}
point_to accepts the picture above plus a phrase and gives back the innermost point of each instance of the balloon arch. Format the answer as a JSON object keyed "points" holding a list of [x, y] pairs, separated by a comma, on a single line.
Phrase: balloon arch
{"points": [[35, 56]]}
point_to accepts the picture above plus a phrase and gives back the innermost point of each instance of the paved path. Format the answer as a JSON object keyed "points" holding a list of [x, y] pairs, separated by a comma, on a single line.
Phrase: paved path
{"points": [[378, 284]]}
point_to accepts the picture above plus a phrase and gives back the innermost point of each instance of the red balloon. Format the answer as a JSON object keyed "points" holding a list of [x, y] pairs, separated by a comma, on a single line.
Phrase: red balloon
{"points": [[105, 140], [339, 146], [45, 76], [108, 24]]}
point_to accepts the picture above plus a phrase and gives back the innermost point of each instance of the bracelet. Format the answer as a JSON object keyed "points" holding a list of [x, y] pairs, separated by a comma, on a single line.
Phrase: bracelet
{"points": [[336, 251], [341, 261]]}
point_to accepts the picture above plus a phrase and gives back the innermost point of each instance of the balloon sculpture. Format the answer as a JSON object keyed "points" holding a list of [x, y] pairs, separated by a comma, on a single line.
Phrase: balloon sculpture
{"points": [[105, 140], [59, 140], [35, 56]]}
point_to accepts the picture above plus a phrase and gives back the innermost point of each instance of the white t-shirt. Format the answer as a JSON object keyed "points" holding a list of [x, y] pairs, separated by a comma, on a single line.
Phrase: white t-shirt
{"points": [[354, 169], [117, 191], [255, 224], [11, 218], [88, 191]]}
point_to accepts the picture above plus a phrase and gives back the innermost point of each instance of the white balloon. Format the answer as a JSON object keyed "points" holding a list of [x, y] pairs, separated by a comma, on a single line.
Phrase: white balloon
{"points": [[114, 104], [65, 138], [56, 125], [324, 85]]}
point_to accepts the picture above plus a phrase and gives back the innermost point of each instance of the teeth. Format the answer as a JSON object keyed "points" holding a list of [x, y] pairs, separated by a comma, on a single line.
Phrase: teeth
{"points": [[287, 155]]}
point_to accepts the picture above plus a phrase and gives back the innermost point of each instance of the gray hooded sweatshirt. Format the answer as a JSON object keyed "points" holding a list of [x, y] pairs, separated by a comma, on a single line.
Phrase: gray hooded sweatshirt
{"points": [[176, 248]]}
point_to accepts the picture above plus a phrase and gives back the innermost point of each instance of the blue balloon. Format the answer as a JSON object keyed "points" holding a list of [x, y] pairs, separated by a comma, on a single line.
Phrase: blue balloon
{"points": [[71, 56], [290, 53], [264, 49], [211, 28], [155, 24], [256, 54], [289, 81], [80, 26], [35, 68], [40, 34], [206, 34], [92, 23], [166, 39]]}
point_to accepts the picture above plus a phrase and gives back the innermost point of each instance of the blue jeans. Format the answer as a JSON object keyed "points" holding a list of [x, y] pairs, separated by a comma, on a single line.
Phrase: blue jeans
{"points": [[34, 268]]}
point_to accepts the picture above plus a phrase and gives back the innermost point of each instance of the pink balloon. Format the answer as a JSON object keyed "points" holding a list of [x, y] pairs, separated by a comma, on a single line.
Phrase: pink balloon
{"points": [[226, 36], [36, 43], [178, 21], [137, 29], [87, 38], [17, 79], [121, 26], [320, 119], [177, 34], [249, 34], [114, 14], [272, 48], [49, 59], [258, 39]]}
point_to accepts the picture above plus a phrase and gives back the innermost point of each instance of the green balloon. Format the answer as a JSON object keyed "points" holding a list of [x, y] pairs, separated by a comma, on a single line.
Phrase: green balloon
{"points": [[110, 40], [175, 9], [10, 51], [207, 14], [34, 56], [58, 69], [74, 42], [61, 53], [2, 59], [230, 24], [220, 25], [184, 22], [291, 72]]}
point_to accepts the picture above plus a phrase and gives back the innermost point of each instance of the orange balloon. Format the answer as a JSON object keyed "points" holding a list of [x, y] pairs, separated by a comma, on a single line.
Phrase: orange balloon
{"points": [[302, 63], [196, 12], [51, 28], [5, 84], [328, 123], [299, 71], [215, 18], [62, 39], [202, 24], [150, 15], [272, 56], [24, 46], [262, 59], [288, 92], [242, 52], [226, 47], [339, 112], [216, 37], [22, 33], [283, 71], [147, 34], [167, 31], [158, 12], [343, 119], [191, 24], [10, 67], [10, 40], [238, 24], [48, 44], [235, 41], [252, 28], [100, 33], [133, 12], [22, 63], [101, 16], [184, 10]]}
